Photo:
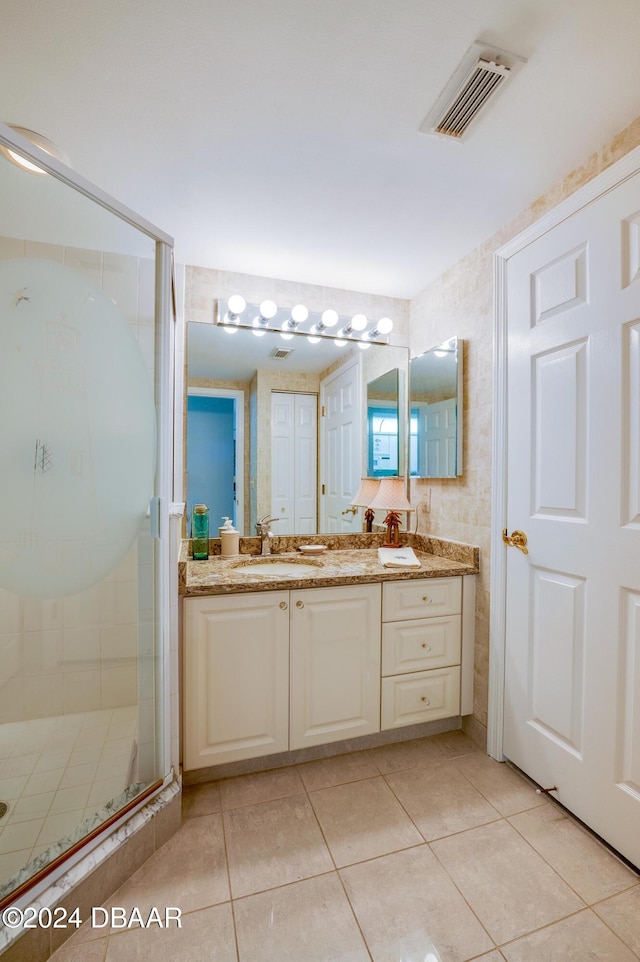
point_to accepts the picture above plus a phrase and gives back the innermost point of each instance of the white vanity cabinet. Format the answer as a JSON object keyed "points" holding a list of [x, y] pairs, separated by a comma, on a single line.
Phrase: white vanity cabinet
{"points": [[335, 664], [273, 671], [236, 677], [422, 650], [269, 671]]}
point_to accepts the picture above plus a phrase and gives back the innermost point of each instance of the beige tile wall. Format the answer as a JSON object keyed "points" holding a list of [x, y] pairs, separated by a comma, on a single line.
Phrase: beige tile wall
{"points": [[461, 302], [80, 653]]}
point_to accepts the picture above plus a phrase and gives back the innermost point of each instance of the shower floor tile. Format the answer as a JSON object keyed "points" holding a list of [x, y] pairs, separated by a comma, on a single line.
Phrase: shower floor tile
{"points": [[55, 772]]}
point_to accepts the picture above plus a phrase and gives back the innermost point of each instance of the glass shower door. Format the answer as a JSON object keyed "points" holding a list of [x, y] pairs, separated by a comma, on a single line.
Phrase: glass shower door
{"points": [[81, 566]]}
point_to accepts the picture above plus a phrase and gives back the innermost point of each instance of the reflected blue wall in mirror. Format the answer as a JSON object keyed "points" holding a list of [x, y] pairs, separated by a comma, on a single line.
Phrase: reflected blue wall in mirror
{"points": [[435, 412], [211, 457]]}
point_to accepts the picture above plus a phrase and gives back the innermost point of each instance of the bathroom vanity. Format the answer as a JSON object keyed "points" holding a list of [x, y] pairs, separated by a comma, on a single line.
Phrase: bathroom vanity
{"points": [[322, 650]]}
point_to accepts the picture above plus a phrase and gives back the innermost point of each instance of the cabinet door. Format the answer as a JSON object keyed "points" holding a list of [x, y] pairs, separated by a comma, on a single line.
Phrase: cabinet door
{"points": [[335, 664], [236, 677]]}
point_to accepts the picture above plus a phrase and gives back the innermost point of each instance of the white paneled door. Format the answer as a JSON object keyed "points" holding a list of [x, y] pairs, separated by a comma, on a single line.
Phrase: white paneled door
{"points": [[341, 448], [294, 475], [572, 655]]}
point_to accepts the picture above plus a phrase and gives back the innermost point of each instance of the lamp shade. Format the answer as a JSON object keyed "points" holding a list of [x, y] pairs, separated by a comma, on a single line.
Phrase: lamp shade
{"points": [[391, 496], [366, 492]]}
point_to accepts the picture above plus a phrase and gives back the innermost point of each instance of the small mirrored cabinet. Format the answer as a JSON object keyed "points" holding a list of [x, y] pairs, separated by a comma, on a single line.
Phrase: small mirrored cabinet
{"points": [[435, 411]]}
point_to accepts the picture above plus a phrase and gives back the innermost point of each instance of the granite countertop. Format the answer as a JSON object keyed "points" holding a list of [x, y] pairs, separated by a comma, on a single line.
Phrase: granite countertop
{"points": [[336, 566]]}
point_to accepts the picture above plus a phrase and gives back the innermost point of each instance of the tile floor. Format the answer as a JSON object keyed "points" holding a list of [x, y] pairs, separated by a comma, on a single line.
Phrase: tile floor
{"points": [[55, 772], [426, 851]]}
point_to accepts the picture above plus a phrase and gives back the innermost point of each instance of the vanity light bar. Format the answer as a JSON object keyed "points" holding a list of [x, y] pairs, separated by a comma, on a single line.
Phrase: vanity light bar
{"points": [[236, 313]]}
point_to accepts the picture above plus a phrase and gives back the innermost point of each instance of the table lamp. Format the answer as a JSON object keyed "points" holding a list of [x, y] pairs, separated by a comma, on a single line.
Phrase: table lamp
{"points": [[364, 496], [391, 497]]}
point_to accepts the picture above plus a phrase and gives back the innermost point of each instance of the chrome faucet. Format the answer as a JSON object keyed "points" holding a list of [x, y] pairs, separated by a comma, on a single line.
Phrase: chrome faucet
{"points": [[264, 532]]}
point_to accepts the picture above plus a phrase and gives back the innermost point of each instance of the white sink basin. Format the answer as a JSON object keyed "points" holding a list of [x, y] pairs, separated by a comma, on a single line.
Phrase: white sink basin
{"points": [[274, 566]]}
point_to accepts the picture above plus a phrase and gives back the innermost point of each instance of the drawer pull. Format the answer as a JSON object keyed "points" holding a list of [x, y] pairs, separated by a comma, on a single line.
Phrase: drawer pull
{"points": [[426, 646], [299, 604], [427, 599], [425, 700], [283, 605]]}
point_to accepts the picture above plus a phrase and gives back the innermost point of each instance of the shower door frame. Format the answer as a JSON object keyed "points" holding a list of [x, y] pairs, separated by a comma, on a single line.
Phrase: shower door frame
{"points": [[164, 326]]}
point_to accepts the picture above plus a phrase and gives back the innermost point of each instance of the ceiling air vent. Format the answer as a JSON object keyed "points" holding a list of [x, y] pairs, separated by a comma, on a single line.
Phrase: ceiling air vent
{"points": [[482, 73], [280, 353]]}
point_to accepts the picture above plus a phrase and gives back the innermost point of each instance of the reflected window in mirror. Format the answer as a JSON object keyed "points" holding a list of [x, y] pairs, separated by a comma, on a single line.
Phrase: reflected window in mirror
{"points": [[435, 412], [383, 436]]}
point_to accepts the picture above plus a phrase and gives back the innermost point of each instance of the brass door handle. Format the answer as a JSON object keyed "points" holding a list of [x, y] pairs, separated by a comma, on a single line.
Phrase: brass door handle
{"points": [[350, 510], [517, 539]]}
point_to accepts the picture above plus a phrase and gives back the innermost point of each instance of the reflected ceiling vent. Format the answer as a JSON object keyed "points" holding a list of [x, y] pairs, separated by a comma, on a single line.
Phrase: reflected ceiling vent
{"points": [[482, 73], [281, 353]]}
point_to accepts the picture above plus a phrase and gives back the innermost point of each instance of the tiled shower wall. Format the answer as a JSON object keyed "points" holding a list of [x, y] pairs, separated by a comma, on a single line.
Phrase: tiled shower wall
{"points": [[80, 653], [461, 302]]}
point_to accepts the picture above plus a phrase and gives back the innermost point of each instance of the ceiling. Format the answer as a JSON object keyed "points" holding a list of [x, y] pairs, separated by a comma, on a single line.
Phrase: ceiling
{"points": [[280, 137]]}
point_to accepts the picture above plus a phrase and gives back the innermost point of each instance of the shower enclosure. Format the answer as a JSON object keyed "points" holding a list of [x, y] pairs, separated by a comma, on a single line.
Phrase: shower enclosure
{"points": [[84, 483]]}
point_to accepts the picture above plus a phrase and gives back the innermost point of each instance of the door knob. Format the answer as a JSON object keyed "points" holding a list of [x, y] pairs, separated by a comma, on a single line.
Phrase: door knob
{"points": [[517, 539]]}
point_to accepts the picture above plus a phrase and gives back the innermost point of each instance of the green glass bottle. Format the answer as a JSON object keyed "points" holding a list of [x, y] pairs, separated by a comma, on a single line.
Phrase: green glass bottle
{"points": [[200, 532]]}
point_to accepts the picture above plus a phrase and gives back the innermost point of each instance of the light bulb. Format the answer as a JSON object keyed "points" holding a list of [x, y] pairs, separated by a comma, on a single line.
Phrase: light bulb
{"points": [[313, 340], [299, 313], [330, 318], [358, 322], [236, 304], [384, 326], [257, 328], [268, 309], [285, 334], [230, 328], [339, 342], [364, 345]]}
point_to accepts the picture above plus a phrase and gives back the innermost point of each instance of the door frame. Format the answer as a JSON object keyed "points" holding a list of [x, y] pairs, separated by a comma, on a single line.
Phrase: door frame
{"points": [[239, 421], [601, 184]]}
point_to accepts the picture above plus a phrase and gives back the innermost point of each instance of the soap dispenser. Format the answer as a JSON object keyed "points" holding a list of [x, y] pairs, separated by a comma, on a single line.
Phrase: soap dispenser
{"points": [[229, 539]]}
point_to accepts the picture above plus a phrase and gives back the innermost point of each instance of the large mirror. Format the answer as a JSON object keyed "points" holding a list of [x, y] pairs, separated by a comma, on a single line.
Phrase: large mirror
{"points": [[257, 439], [435, 405]]}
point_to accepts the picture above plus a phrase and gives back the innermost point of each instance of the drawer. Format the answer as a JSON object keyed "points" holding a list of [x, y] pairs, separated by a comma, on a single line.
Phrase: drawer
{"points": [[421, 598], [417, 645], [419, 697]]}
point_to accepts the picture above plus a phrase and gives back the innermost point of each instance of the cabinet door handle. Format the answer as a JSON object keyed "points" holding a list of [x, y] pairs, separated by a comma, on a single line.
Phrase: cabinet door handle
{"points": [[425, 700], [283, 605], [426, 646], [427, 599], [299, 604]]}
